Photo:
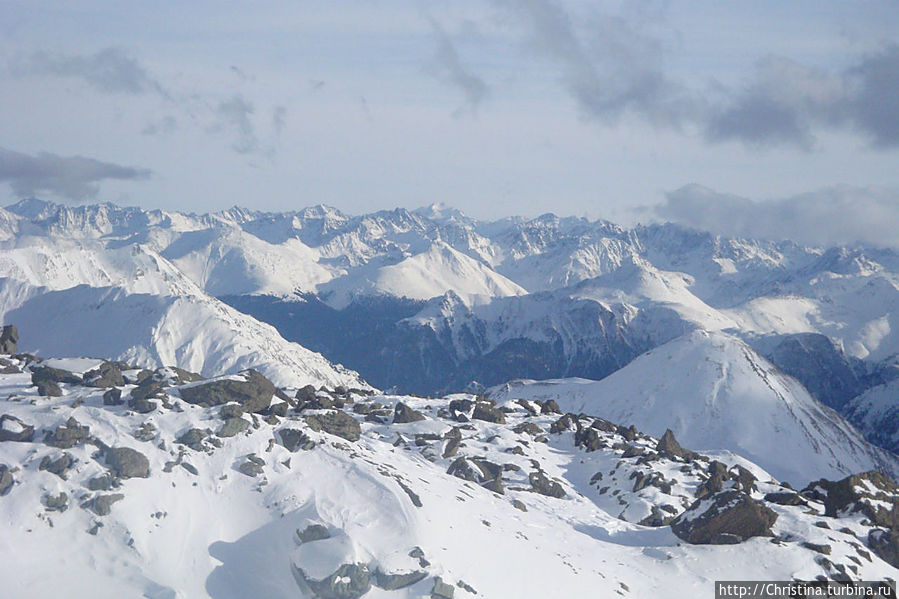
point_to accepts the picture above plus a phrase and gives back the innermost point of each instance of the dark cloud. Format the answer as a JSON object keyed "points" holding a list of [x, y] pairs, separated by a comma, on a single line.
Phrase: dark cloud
{"points": [[449, 68], [834, 215], [611, 66], [111, 70], [71, 177], [610, 70], [234, 114]]}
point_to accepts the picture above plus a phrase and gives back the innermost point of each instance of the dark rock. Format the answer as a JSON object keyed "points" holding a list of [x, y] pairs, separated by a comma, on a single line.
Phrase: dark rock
{"points": [[403, 414], [305, 395], [251, 468], [565, 423], [101, 504], [543, 485], [48, 389], [461, 468], [550, 407], [452, 447], [518, 505], [127, 463], [254, 393], [141, 405], [392, 582], [232, 427], [745, 479], [727, 517], [825, 549], [113, 397], [55, 375], [853, 494], [442, 590], [629, 433], [230, 410], [632, 451], [294, 439], [6, 480], [460, 406], [785, 498], [313, 532], [336, 423], [57, 503], [145, 432], [669, 447], [58, 466], [13, 429], [193, 438], [656, 518], [107, 374], [7, 367], [885, 544], [527, 428], [486, 412], [147, 388], [9, 340], [190, 468], [70, 435], [350, 581], [104, 482]]}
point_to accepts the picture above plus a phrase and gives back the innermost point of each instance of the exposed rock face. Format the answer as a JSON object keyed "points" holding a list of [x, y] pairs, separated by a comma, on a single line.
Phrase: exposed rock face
{"points": [[57, 466], [57, 503], [9, 340], [13, 429], [127, 463], [68, 436], [232, 427], [725, 518], [193, 438], [102, 504], [113, 397], [349, 581], [107, 374], [313, 532], [669, 447], [543, 485], [486, 412], [336, 423], [403, 414], [56, 375], [294, 439], [868, 493], [254, 392], [885, 543], [6, 480]]}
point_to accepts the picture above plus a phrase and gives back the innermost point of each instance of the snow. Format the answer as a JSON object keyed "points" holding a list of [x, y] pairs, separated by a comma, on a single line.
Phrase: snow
{"points": [[715, 393]]}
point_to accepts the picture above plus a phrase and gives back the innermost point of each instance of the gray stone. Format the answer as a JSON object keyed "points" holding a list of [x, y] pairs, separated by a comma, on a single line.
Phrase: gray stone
{"points": [[543, 485], [392, 582], [104, 482], [6, 480], [231, 410], [113, 397], [727, 517], [254, 393], [232, 427], [141, 405], [127, 463], [107, 374], [13, 429], [487, 413], [293, 439], [442, 590], [57, 503], [403, 414], [313, 532], [885, 544], [58, 466], [9, 339], [336, 423], [193, 438], [349, 581], [68, 436], [101, 504], [669, 447]]}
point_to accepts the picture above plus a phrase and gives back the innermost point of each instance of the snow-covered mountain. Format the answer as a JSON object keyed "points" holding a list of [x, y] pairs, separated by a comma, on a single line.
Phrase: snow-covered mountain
{"points": [[228, 488], [716, 393]]}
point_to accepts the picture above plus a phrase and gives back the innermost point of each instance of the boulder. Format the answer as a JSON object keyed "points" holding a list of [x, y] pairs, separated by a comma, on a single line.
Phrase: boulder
{"points": [[232, 427], [13, 429], [885, 543], [550, 407], [55, 375], [58, 466], [107, 374], [193, 438], [68, 436], [442, 590], [873, 494], [102, 504], [6, 480], [543, 485], [349, 581], [9, 340], [313, 532], [487, 413], [670, 448], [127, 463], [57, 503], [725, 518], [403, 414], [48, 389], [249, 388], [785, 498], [336, 423], [113, 397], [392, 582], [293, 439]]}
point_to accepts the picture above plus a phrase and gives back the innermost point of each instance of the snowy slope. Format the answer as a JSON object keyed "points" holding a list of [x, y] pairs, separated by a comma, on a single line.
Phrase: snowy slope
{"points": [[203, 524], [876, 412], [714, 392]]}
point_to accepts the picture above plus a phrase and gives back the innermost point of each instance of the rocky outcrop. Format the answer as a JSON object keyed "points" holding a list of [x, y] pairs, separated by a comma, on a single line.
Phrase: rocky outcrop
{"points": [[540, 483], [127, 463], [13, 429], [249, 388], [349, 581], [873, 494], [403, 414], [6, 480], [313, 532], [670, 448], [725, 518], [68, 436], [9, 340], [487, 413], [107, 374], [336, 423], [293, 439]]}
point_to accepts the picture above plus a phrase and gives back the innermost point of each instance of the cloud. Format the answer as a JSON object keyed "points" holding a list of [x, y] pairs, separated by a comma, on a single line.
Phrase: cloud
{"points": [[110, 70], [164, 126], [612, 66], [234, 113], [613, 71], [449, 68], [71, 177], [835, 215]]}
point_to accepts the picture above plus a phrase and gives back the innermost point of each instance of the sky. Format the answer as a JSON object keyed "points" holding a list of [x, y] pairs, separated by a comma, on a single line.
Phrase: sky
{"points": [[696, 111]]}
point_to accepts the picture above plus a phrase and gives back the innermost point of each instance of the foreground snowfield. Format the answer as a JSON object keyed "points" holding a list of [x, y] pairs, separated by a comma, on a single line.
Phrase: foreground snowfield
{"points": [[528, 513]]}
